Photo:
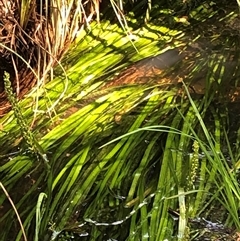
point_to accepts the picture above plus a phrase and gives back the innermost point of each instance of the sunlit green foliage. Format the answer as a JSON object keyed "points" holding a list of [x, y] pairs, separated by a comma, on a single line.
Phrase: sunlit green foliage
{"points": [[121, 158]]}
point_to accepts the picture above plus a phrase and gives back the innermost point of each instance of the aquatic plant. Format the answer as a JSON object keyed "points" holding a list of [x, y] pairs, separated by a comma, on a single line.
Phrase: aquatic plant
{"points": [[121, 159]]}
